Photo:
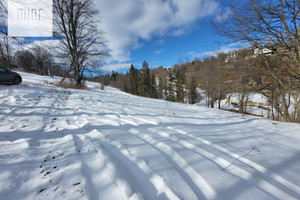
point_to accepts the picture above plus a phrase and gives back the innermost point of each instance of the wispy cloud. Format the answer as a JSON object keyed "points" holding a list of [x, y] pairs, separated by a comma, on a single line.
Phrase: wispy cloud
{"points": [[203, 54], [128, 22], [225, 15], [223, 49], [158, 51], [116, 67]]}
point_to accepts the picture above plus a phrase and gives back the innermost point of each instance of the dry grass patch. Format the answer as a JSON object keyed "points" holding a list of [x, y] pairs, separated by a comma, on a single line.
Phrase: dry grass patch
{"points": [[71, 84]]}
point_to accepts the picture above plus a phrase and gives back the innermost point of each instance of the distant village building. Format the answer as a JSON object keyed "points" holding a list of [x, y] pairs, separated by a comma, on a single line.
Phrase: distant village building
{"points": [[231, 57], [265, 51], [252, 82]]}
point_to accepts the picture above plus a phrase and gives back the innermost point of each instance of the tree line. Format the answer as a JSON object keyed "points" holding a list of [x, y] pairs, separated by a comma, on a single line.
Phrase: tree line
{"points": [[214, 79], [36, 59], [137, 82], [81, 45], [159, 83]]}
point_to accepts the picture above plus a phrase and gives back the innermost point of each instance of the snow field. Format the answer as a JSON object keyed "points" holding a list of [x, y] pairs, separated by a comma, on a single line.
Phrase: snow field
{"points": [[58, 143]]}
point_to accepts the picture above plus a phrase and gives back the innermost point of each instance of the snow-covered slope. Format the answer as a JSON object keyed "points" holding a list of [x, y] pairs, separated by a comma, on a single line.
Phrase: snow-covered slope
{"points": [[58, 143]]}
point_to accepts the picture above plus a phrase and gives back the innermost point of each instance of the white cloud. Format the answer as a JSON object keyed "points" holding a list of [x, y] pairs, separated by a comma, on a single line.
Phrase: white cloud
{"points": [[224, 16], [158, 51], [203, 54], [115, 67], [127, 22], [223, 49]]}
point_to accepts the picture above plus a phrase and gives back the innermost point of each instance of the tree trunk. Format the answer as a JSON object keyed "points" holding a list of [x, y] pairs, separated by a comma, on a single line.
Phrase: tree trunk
{"points": [[286, 113]]}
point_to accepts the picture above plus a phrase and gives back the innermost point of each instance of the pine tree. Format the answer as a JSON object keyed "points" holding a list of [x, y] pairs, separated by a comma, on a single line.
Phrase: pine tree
{"points": [[193, 95], [144, 83], [114, 75], [179, 76], [133, 80], [153, 90]]}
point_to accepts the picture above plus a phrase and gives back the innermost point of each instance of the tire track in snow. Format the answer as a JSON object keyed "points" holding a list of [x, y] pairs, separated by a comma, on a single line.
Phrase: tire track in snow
{"points": [[124, 178], [133, 120], [81, 143], [265, 185], [133, 172], [196, 182], [118, 173], [262, 171]]}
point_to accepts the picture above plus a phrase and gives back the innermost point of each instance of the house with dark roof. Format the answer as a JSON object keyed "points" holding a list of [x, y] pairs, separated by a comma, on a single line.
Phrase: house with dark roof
{"points": [[252, 82]]}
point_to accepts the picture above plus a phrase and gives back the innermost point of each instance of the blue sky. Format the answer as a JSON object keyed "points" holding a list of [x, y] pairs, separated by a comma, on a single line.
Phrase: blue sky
{"points": [[162, 32], [175, 49]]}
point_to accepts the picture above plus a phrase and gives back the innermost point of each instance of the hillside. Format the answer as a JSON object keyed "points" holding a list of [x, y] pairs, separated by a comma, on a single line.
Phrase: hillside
{"points": [[58, 143]]}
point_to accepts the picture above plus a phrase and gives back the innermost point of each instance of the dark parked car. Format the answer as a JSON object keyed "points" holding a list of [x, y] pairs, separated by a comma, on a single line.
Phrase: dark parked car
{"points": [[7, 76]]}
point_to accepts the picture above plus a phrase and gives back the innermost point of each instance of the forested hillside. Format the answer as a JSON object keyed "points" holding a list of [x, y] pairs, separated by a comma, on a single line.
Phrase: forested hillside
{"points": [[240, 73]]}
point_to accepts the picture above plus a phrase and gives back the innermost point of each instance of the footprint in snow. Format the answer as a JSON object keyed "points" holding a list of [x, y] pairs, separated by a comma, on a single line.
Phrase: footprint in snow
{"points": [[41, 190]]}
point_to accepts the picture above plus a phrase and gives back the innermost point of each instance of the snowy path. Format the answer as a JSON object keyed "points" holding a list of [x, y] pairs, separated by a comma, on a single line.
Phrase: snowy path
{"points": [[58, 143]]}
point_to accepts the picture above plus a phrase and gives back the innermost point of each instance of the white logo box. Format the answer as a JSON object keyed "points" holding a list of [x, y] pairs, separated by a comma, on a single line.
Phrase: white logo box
{"points": [[30, 18]]}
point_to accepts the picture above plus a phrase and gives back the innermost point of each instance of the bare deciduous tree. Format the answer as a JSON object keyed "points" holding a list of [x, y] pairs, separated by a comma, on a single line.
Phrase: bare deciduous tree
{"points": [[270, 23], [25, 60], [4, 41], [6, 52], [81, 41], [43, 60]]}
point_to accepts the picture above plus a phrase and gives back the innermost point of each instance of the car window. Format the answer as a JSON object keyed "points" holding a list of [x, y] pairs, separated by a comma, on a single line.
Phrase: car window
{"points": [[2, 69]]}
